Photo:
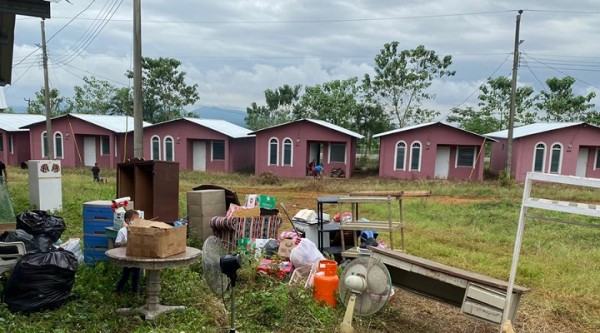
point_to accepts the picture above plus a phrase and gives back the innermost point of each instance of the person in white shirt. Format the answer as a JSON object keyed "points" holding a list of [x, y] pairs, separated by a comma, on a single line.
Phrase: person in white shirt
{"points": [[121, 241]]}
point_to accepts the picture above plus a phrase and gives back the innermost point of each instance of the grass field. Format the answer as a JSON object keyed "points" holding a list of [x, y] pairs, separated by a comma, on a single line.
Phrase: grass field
{"points": [[468, 225]]}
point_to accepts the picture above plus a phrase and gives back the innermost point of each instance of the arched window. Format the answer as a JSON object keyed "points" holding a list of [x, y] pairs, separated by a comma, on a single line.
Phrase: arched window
{"points": [[400, 156], [415, 156], [273, 151], [169, 149], [155, 148], [44, 144], [556, 158], [539, 156], [58, 145], [288, 150]]}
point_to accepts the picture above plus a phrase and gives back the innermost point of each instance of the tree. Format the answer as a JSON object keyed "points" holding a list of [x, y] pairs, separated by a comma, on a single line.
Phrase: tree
{"points": [[164, 89], [560, 104], [57, 103], [401, 80], [94, 97], [494, 107], [282, 105]]}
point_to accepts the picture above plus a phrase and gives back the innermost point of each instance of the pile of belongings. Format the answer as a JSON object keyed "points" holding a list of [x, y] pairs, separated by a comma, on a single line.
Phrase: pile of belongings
{"points": [[43, 278]]}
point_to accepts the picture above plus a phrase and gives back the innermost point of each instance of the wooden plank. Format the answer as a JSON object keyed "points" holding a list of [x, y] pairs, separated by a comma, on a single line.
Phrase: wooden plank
{"points": [[567, 180], [564, 206], [377, 193], [365, 199], [375, 225], [459, 282], [452, 271]]}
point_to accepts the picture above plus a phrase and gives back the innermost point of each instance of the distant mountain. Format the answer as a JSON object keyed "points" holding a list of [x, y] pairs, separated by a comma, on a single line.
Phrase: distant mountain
{"points": [[231, 115], [19, 108]]}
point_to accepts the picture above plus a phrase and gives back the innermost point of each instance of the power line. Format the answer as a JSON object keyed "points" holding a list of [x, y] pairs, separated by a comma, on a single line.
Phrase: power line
{"points": [[71, 20], [87, 72], [526, 64], [557, 70]]}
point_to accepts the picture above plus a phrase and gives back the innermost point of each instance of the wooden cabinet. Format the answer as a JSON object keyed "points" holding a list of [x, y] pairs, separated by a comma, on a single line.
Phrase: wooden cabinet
{"points": [[153, 186], [388, 225]]}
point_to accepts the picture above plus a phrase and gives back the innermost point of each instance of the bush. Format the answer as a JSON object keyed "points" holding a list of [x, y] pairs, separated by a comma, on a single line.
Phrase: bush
{"points": [[268, 178]]}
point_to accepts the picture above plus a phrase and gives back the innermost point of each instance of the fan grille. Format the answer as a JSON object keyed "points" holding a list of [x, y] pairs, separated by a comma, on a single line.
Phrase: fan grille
{"points": [[378, 285], [212, 251]]}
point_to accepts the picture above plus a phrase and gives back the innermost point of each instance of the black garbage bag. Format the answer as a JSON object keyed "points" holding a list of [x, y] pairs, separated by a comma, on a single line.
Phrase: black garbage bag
{"points": [[41, 281], [18, 236], [38, 222]]}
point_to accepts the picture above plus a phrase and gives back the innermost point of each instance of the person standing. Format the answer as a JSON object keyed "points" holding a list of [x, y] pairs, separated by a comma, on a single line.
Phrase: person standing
{"points": [[3, 174], [96, 173]]}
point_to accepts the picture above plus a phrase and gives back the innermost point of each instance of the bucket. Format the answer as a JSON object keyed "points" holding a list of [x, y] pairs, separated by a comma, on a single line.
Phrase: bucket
{"points": [[326, 282]]}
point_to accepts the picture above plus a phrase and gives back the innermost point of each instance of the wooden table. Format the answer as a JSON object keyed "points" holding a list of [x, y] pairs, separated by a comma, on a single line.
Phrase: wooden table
{"points": [[153, 266]]}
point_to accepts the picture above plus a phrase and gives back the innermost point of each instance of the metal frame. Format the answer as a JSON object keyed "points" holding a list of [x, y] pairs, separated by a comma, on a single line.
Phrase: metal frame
{"points": [[547, 204]]}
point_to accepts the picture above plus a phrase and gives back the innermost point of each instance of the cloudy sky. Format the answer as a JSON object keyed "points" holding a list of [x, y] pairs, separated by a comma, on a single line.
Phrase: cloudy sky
{"points": [[234, 50]]}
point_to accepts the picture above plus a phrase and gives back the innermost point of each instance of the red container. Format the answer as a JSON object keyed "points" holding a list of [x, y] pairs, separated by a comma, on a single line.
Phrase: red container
{"points": [[326, 282]]}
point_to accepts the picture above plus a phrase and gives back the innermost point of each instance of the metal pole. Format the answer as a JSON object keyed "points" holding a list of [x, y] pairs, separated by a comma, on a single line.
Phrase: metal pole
{"points": [[138, 108], [49, 136], [513, 94]]}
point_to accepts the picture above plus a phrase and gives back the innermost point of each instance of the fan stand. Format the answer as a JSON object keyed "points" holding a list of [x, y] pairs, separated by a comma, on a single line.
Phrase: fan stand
{"points": [[346, 324], [232, 280], [229, 266]]}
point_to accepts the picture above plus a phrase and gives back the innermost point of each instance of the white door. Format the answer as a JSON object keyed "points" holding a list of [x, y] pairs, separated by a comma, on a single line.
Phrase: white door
{"points": [[199, 148], [582, 162], [442, 162], [89, 150]]}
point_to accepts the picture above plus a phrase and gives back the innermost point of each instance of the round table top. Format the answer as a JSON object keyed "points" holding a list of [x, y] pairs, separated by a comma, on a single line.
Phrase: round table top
{"points": [[118, 257]]}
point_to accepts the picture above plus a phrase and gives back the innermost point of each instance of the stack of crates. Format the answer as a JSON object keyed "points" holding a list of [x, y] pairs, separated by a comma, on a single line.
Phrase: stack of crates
{"points": [[97, 215], [201, 207]]}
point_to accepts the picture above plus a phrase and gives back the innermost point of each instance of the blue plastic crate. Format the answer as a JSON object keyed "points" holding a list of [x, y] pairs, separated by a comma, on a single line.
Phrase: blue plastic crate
{"points": [[90, 257], [95, 242], [96, 227], [97, 212]]}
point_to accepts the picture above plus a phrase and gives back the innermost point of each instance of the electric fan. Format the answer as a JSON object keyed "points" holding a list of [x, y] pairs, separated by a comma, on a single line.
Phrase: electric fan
{"points": [[220, 271], [365, 287]]}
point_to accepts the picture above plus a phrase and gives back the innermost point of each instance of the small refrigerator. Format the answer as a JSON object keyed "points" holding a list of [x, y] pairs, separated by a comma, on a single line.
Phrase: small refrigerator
{"points": [[45, 184]]}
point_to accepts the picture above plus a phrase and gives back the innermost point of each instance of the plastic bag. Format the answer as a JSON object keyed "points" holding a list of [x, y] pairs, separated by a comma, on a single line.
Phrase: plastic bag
{"points": [[19, 236], [41, 281], [38, 222], [305, 253], [73, 245]]}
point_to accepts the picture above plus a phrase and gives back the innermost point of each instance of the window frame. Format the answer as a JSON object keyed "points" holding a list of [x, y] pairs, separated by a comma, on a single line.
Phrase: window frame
{"points": [[11, 144], [152, 157], [102, 151], [412, 147], [458, 149], [212, 150], [44, 139], [330, 150], [286, 142], [168, 137], [560, 158], [535, 149], [396, 156], [597, 161], [270, 149], [62, 146]]}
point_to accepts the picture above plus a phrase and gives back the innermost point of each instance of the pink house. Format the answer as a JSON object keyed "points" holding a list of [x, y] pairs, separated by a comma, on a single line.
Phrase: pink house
{"points": [[206, 145], [14, 140], [85, 139], [431, 150], [559, 148], [286, 149]]}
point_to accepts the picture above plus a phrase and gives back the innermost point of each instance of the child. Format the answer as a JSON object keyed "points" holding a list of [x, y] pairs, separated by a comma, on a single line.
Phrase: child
{"points": [[121, 241], [96, 173]]}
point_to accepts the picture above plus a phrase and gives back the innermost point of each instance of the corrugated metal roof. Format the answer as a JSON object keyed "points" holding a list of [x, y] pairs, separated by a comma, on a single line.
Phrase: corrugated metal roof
{"points": [[531, 129], [117, 124], [222, 126], [12, 122], [403, 129], [319, 122], [3, 104]]}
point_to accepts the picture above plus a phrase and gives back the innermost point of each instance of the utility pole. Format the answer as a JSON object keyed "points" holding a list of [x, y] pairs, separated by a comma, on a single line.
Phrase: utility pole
{"points": [[49, 135], [28, 100], [138, 108], [513, 95]]}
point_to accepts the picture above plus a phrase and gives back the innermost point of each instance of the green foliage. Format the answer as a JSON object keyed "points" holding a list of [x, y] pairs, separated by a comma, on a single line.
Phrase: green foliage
{"points": [[94, 97], [401, 81], [282, 105], [164, 89], [560, 104], [58, 103]]}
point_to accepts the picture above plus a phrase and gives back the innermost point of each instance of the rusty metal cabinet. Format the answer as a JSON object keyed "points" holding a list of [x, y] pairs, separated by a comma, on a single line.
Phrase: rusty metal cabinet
{"points": [[153, 186]]}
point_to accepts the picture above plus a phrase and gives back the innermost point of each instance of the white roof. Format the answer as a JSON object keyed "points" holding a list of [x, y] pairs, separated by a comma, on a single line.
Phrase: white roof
{"points": [[117, 124], [322, 123], [12, 122], [222, 126], [3, 104], [403, 129], [531, 129]]}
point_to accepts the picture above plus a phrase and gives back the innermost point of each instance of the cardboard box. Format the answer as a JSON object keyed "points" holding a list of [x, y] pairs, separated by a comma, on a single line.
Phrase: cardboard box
{"points": [[152, 239]]}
